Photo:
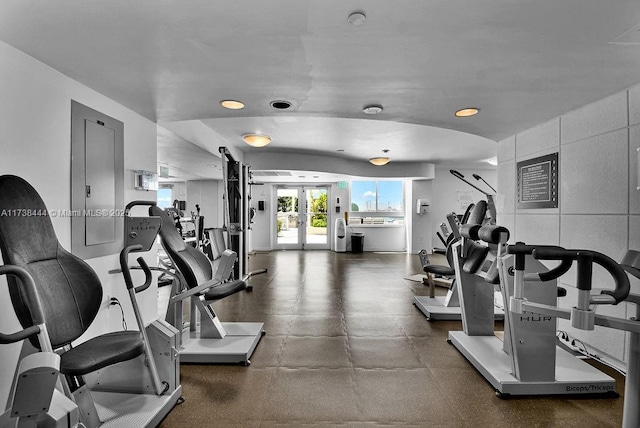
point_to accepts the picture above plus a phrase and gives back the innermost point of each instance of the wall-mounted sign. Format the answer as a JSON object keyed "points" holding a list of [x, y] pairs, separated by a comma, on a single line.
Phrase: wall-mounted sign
{"points": [[538, 182]]}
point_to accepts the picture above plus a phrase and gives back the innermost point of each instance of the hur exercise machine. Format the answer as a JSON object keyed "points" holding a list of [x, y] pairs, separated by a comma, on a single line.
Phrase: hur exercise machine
{"points": [[582, 316], [448, 307], [527, 360]]}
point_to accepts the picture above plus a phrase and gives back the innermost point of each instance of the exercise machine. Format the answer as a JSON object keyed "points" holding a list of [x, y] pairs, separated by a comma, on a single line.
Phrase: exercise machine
{"points": [[206, 339], [235, 178], [583, 316], [35, 399], [536, 365], [123, 378], [448, 307]]}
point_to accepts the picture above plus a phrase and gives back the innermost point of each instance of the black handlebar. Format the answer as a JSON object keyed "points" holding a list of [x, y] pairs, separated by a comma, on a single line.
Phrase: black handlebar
{"points": [[148, 277], [124, 264], [135, 203], [456, 174], [34, 303], [585, 260], [520, 250]]}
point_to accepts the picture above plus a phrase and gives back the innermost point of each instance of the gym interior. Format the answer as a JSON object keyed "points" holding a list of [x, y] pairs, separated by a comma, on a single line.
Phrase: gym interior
{"points": [[302, 283]]}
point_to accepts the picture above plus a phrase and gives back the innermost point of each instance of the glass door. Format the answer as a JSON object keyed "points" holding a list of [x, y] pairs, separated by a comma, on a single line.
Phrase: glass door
{"points": [[288, 218], [302, 218], [316, 227]]}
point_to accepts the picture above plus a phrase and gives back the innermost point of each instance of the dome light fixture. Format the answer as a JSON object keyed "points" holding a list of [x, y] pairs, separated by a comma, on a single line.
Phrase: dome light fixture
{"points": [[232, 104], [357, 18], [467, 112], [381, 160], [256, 140], [372, 109]]}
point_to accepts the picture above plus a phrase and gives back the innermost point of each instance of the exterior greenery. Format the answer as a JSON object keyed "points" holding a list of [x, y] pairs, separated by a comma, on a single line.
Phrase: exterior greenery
{"points": [[319, 207]]}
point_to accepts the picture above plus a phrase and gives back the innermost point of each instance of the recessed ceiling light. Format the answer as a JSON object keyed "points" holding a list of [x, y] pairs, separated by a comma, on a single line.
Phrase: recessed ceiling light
{"points": [[280, 104], [372, 109], [232, 104], [256, 140], [467, 112], [357, 19]]}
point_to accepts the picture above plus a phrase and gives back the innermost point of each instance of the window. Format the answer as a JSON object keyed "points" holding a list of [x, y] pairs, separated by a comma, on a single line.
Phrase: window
{"points": [[377, 196], [164, 198]]}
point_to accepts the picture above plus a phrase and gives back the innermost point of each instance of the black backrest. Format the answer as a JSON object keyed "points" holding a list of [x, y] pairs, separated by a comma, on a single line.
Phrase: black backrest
{"points": [[69, 289], [477, 213], [192, 263], [218, 242]]}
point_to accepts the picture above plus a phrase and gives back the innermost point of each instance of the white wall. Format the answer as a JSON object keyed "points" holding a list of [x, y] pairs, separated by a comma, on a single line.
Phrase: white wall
{"points": [[448, 190], [599, 206], [35, 124], [262, 229], [179, 191], [420, 226], [205, 194]]}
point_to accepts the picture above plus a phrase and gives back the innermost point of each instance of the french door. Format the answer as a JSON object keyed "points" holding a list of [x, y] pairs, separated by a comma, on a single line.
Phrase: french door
{"points": [[302, 220]]}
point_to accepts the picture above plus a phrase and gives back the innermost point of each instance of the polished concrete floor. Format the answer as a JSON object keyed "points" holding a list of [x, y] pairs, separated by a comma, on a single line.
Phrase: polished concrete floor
{"points": [[346, 347]]}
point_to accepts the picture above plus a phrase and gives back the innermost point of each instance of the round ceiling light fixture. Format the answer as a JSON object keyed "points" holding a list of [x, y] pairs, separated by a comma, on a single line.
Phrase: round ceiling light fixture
{"points": [[280, 104], [372, 109], [467, 112], [357, 18], [232, 104], [256, 140], [381, 160]]}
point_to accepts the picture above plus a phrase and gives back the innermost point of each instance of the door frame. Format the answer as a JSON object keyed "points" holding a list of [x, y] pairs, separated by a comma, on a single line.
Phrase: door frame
{"points": [[302, 218]]}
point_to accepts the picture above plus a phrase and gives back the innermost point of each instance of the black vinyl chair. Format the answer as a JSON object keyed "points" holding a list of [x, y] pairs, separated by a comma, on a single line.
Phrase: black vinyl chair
{"points": [[193, 265], [69, 291], [204, 283]]}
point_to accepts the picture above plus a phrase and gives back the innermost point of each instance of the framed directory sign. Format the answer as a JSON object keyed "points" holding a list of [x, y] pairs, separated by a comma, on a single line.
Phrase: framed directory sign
{"points": [[538, 182]]}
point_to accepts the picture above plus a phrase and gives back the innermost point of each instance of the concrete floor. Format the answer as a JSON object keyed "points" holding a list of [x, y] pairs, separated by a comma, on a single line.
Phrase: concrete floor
{"points": [[346, 347]]}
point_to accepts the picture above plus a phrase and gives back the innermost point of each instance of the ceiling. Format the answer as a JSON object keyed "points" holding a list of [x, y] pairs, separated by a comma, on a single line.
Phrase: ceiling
{"points": [[521, 62]]}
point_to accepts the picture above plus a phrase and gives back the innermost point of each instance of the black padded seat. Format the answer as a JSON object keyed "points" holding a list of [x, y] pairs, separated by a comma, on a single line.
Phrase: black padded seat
{"points": [[192, 263], [475, 256], [439, 270], [224, 290], [100, 352], [69, 290]]}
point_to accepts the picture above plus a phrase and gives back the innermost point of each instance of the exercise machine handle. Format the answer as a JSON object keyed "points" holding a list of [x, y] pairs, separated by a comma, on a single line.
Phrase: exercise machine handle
{"points": [[32, 296], [461, 177], [148, 277], [520, 250], [143, 203], [585, 260], [124, 264], [132, 204]]}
